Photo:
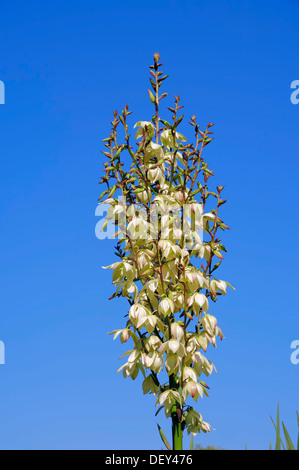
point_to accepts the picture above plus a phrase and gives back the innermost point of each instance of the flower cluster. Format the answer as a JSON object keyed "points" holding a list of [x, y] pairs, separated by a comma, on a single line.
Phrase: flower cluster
{"points": [[166, 268]]}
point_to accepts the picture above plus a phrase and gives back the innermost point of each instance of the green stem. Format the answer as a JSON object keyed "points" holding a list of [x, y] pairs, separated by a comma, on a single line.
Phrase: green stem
{"points": [[177, 434]]}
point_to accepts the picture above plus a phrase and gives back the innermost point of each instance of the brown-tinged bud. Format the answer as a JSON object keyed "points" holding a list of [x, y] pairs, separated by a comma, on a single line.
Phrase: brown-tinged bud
{"points": [[125, 335], [204, 384], [179, 414], [156, 56], [221, 202], [163, 96]]}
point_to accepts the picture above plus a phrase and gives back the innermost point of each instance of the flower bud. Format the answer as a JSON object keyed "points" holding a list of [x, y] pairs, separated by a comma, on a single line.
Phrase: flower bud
{"points": [[166, 307], [137, 313], [179, 300], [154, 175], [177, 331], [179, 196], [125, 335], [209, 324], [142, 197]]}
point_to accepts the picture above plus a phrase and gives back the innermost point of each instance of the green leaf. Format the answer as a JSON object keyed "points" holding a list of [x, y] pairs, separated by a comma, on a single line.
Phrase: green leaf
{"points": [[195, 192], [229, 285], [153, 84], [290, 445], [181, 181], [163, 78], [104, 225], [278, 438], [163, 437], [166, 123], [222, 247], [103, 194], [278, 442], [216, 266], [178, 121], [113, 189]]}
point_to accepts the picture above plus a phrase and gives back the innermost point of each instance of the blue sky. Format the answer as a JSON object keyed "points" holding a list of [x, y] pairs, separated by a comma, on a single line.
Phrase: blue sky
{"points": [[65, 68]]}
